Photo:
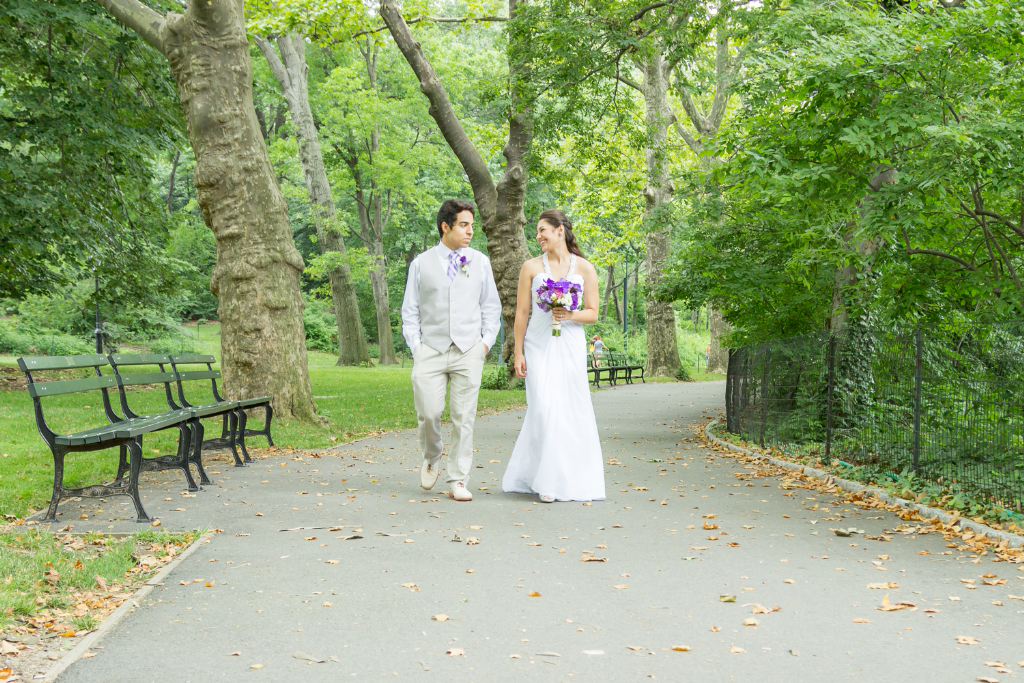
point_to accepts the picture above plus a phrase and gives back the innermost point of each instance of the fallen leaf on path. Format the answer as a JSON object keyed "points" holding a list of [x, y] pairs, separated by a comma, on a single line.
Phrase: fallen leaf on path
{"points": [[726, 598], [681, 648], [440, 617], [590, 557], [883, 586], [887, 606], [308, 657], [750, 621], [593, 652], [967, 640], [455, 652], [621, 586], [534, 594], [411, 586], [736, 650], [757, 608], [861, 620], [255, 667]]}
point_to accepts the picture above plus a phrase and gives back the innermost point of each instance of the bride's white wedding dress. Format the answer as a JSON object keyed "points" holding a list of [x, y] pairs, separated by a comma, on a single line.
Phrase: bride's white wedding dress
{"points": [[558, 451]]}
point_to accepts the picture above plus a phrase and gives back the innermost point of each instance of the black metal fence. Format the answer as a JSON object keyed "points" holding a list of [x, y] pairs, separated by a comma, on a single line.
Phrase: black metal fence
{"points": [[941, 405]]}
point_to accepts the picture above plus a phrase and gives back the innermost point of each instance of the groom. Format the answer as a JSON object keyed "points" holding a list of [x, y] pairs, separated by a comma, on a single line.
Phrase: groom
{"points": [[450, 318]]}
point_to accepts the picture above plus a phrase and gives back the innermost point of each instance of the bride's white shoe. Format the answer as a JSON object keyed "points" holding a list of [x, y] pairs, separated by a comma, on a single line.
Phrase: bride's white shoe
{"points": [[547, 499]]}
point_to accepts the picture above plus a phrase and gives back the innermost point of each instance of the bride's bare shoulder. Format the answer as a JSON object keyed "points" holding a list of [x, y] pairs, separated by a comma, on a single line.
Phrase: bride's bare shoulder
{"points": [[585, 266], [532, 266]]}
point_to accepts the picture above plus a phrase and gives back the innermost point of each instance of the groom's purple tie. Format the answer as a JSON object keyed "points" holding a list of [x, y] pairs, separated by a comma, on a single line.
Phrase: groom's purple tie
{"points": [[453, 265]]}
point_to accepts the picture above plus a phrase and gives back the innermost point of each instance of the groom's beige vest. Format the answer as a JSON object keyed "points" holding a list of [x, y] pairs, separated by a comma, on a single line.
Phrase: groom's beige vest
{"points": [[450, 310]]}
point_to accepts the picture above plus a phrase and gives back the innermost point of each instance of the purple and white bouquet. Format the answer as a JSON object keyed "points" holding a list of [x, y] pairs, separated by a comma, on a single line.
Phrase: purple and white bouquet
{"points": [[560, 294]]}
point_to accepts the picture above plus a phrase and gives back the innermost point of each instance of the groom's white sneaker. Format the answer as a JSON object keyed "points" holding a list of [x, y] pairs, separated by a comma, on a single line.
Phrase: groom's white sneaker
{"points": [[429, 472], [459, 492]]}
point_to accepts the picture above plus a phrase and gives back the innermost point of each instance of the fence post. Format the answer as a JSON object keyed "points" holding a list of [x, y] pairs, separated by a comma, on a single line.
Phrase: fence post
{"points": [[918, 358], [730, 377], [830, 359], [764, 392]]}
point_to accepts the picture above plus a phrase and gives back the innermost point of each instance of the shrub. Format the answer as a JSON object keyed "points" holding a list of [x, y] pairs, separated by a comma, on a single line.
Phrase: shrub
{"points": [[321, 326], [18, 342], [498, 377]]}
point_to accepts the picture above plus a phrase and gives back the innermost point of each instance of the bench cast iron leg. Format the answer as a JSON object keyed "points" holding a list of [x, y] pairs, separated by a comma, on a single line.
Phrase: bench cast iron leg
{"points": [[243, 418], [270, 417], [135, 448], [122, 464], [197, 450], [184, 449], [58, 485], [233, 420]]}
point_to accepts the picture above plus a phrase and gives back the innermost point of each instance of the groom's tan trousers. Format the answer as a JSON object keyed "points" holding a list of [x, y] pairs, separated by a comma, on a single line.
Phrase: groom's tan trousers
{"points": [[433, 372]]}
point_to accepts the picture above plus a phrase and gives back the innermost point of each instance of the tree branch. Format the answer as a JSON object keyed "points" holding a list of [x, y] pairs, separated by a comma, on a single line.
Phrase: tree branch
{"points": [[146, 22], [276, 66], [441, 109], [434, 20]]}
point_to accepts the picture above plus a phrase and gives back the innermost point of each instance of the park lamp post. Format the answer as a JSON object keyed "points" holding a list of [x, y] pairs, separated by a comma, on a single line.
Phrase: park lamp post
{"points": [[99, 321]]}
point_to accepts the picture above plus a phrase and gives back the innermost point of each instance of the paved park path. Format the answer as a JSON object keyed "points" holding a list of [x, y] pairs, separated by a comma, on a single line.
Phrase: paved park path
{"points": [[336, 567]]}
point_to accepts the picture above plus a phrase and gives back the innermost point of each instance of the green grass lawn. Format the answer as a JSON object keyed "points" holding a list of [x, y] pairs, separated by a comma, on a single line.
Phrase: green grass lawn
{"points": [[69, 578]]}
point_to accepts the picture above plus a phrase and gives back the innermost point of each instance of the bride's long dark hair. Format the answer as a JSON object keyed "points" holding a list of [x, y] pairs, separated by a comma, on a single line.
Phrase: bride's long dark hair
{"points": [[557, 218]]}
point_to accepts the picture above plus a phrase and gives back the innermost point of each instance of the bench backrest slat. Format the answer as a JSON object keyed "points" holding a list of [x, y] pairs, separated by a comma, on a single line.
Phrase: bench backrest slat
{"points": [[191, 358], [147, 378], [34, 363], [199, 374], [41, 389], [140, 359]]}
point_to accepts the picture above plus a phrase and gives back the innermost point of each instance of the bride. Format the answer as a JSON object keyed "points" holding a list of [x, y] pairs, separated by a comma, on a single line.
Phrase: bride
{"points": [[558, 452]]}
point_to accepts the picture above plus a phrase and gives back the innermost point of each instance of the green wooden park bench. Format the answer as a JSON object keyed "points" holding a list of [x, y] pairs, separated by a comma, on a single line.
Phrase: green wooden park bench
{"points": [[122, 432], [131, 371], [612, 367], [234, 427]]}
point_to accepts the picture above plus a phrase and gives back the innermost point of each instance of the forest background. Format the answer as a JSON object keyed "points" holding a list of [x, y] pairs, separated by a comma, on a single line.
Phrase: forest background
{"points": [[749, 171]]}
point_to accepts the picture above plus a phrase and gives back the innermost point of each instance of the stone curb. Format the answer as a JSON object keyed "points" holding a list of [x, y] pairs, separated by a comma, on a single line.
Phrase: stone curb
{"points": [[89, 641], [1014, 540]]}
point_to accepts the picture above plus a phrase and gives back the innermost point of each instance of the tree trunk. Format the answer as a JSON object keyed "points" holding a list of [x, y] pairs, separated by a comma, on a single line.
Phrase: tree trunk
{"points": [[611, 297], [256, 279], [373, 223], [718, 359], [851, 317], [170, 183], [662, 352], [292, 74], [500, 205]]}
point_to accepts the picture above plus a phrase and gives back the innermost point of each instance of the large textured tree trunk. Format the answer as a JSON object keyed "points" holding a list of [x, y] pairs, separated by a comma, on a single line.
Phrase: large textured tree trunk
{"points": [[292, 74], [662, 352], [256, 278], [500, 205]]}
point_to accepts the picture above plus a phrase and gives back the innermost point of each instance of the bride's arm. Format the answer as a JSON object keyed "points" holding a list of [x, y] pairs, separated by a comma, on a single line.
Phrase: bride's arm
{"points": [[588, 314], [524, 301]]}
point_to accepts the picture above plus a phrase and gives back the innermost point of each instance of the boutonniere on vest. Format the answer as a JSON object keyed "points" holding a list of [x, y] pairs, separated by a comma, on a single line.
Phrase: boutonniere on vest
{"points": [[464, 265]]}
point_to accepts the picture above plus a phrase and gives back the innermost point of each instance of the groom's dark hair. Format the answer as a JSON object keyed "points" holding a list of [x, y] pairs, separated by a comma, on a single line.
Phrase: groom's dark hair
{"points": [[449, 210]]}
